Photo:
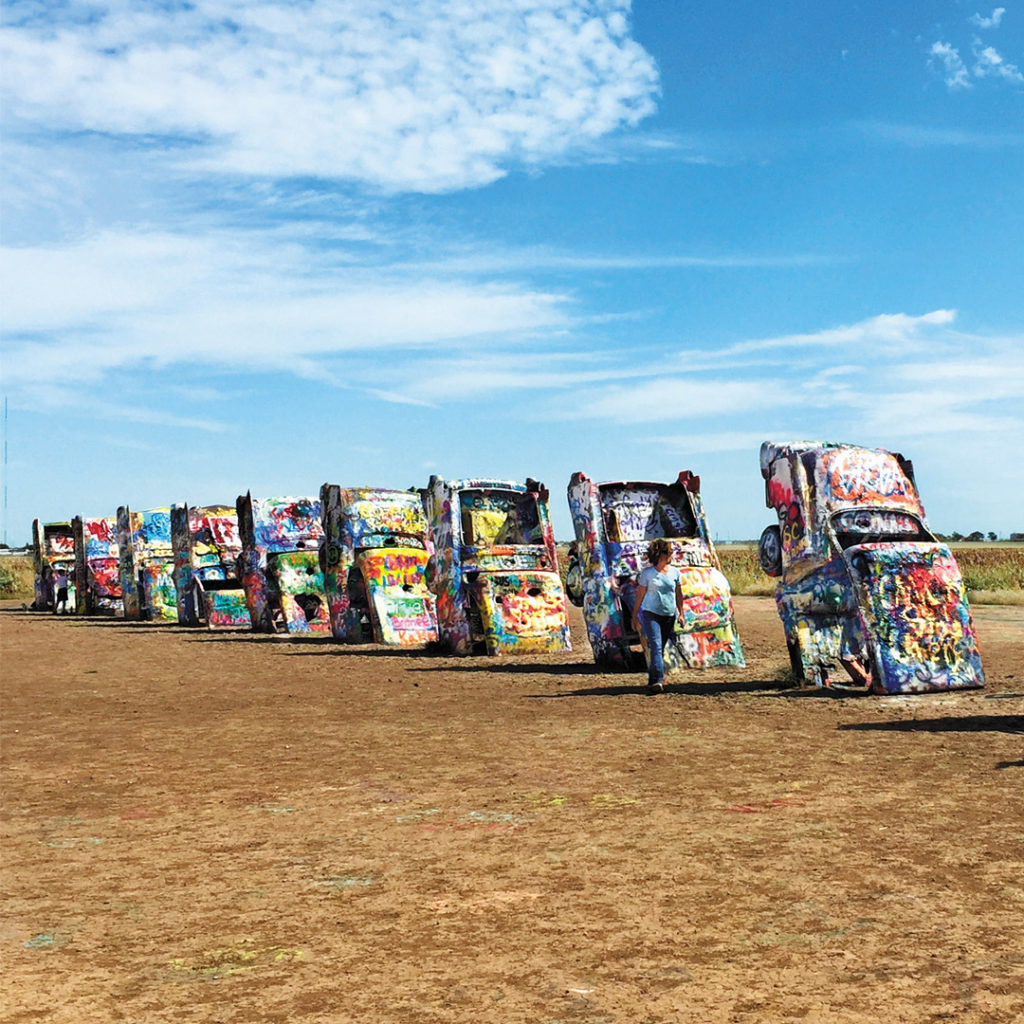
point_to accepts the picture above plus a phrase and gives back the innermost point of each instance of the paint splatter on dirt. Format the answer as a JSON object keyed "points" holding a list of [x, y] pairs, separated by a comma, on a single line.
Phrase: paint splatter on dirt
{"points": [[720, 854]]}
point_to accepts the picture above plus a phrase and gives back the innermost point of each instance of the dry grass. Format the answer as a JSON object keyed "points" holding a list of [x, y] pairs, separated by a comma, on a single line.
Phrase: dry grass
{"points": [[995, 568], [997, 597], [16, 577], [993, 573], [743, 570]]}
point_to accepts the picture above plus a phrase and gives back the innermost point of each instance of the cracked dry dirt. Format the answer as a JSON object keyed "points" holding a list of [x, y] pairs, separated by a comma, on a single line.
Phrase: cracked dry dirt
{"points": [[203, 827]]}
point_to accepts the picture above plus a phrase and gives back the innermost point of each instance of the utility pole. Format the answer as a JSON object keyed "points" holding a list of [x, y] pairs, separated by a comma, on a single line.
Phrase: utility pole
{"points": [[5, 471]]}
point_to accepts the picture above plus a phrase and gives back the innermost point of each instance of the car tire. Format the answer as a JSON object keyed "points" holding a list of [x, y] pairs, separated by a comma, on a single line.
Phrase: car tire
{"points": [[477, 636], [574, 582], [769, 551]]}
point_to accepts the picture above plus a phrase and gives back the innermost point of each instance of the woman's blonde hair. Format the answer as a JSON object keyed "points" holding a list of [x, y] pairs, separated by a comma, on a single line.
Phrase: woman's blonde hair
{"points": [[657, 550]]}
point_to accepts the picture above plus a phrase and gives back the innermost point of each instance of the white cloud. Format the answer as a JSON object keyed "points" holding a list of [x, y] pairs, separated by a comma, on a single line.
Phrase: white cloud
{"points": [[989, 63], [888, 330], [954, 70], [243, 302], [673, 398], [543, 258], [81, 315], [885, 375], [698, 444], [424, 95], [308, 301], [445, 378], [991, 22]]}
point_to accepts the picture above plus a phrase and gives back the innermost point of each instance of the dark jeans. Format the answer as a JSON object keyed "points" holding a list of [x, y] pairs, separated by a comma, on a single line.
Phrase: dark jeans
{"points": [[657, 631]]}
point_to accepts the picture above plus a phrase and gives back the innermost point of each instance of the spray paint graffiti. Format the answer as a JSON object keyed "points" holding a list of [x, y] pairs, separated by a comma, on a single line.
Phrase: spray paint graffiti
{"points": [[53, 553], [494, 568], [614, 523], [206, 550], [374, 556], [863, 584], [97, 574], [146, 563], [279, 564]]}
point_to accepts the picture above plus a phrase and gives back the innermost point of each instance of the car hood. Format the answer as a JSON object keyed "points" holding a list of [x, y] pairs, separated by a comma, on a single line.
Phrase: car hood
{"points": [[914, 606], [402, 606], [706, 598], [523, 610]]}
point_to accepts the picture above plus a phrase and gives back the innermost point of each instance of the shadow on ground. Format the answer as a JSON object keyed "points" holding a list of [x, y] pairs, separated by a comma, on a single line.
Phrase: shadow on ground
{"points": [[710, 689], [951, 723]]}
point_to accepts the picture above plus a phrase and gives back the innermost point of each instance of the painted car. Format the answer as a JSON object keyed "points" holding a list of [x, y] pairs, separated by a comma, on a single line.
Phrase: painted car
{"points": [[862, 582], [97, 570], [279, 564], [53, 550], [146, 563], [206, 549], [374, 557], [495, 568], [614, 523]]}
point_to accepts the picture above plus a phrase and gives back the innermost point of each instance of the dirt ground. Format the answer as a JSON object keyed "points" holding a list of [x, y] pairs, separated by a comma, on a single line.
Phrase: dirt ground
{"points": [[225, 827]]}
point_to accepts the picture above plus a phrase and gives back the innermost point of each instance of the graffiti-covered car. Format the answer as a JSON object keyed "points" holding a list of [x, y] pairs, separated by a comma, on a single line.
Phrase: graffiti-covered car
{"points": [[206, 549], [146, 563], [614, 523], [495, 568], [862, 582], [97, 570], [374, 556], [279, 564], [53, 552]]}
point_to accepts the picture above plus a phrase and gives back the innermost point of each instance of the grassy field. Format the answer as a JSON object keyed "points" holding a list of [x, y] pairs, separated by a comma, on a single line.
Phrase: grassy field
{"points": [[15, 577], [993, 572]]}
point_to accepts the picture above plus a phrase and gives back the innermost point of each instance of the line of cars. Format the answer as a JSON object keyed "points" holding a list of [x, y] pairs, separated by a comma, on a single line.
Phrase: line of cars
{"points": [[869, 599]]}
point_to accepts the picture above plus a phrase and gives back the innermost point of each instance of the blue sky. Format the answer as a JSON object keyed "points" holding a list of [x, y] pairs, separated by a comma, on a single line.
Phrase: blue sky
{"points": [[260, 245]]}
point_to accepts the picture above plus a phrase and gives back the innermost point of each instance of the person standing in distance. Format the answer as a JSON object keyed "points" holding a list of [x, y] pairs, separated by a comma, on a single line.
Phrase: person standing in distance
{"points": [[658, 603], [60, 584]]}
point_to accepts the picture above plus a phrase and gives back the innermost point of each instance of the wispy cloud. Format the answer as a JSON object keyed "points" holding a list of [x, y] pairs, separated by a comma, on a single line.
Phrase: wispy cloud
{"points": [[314, 304], [922, 135], [699, 444], [989, 63], [953, 69], [985, 61], [494, 260], [885, 374], [431, 97], [887, 330], [241, 301], [676, 398], [992, 21]]}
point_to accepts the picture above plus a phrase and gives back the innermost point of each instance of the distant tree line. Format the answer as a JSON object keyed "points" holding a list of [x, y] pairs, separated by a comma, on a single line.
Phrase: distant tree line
{"points": [[977, 536]]}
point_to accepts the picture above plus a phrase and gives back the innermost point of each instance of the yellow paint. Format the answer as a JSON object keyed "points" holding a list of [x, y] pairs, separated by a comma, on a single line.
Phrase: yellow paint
{"points": [[228, 961], [611, 800]]}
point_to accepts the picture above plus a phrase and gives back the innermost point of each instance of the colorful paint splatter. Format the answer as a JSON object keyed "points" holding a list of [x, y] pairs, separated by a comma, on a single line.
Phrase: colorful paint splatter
{"points": [[146, 561], [279, 564], [495, 567], [97, 573], [614, 523], [53, 551], [863, 585], [375, 561], [206, 551]]}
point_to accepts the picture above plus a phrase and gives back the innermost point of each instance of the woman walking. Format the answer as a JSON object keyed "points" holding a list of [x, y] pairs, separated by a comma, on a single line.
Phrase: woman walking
{"points": [[658, 603]]}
